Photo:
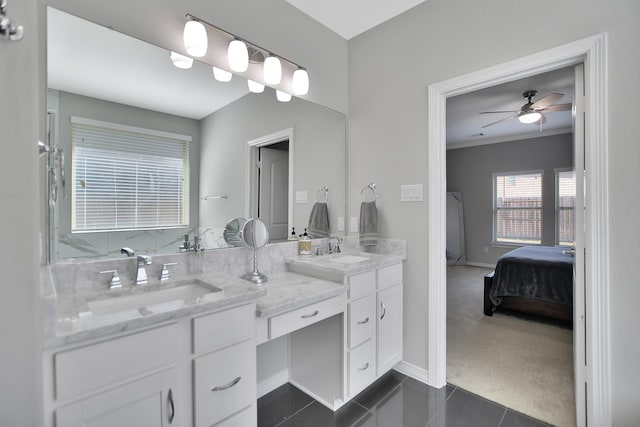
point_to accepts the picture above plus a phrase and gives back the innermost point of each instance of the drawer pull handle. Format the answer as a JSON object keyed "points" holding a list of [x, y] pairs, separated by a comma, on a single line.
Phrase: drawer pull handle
{"points": [[306, 316], [362, 322], [384, 310], [172, 408], [365, 367], [228, 386]]}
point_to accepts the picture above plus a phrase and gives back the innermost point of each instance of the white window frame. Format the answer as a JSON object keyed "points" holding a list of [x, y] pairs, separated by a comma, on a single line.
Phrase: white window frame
{"points": [[186, 194], [495, 241], [556, 173]]}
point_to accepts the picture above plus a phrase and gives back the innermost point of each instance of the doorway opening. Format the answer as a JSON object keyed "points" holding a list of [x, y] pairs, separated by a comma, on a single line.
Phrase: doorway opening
{"points": [[593, 395]]}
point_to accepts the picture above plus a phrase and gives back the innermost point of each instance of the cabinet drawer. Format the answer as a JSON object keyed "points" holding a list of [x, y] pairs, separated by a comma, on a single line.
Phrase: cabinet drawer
{"points": [[245, 418], [224, 382], [362, 368], [362, 319], [221, 329], [389, 276], [361, 284], [288, 322], [99, 365]]}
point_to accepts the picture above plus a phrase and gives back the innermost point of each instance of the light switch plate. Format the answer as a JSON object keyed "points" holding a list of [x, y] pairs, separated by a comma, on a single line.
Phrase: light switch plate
{"points": [[411, 193], [353, 224], [340, 223], [301, 197]]}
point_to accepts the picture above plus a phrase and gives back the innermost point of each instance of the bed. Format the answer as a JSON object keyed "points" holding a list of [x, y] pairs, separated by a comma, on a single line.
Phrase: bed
{"points": [[532, 279]]}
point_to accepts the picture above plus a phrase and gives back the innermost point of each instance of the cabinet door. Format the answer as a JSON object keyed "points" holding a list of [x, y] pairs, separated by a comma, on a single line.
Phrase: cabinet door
{"points": [[147, 402], [389, 328]]}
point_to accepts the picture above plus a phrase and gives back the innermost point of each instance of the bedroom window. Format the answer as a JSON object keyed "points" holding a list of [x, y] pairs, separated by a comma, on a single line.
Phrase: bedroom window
{"points": [[565, 206], [127, 178], [517, 208]]}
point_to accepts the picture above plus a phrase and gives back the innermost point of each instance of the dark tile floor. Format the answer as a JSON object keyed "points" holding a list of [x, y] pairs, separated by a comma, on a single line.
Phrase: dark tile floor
{"points": [[395, 400]]}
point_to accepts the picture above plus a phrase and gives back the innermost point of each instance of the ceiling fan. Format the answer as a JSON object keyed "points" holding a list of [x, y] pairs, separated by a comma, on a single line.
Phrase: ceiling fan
{"points": [[531, 112]]}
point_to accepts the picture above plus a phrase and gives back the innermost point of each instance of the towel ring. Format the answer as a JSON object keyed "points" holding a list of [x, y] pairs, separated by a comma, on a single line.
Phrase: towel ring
{"points": [[372, 187], [320, 192]]}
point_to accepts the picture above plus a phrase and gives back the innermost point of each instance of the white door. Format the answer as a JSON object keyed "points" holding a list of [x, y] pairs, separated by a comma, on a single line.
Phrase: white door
{"points": [[579, 321], [389, 328], [273, 201], [148, 402]]}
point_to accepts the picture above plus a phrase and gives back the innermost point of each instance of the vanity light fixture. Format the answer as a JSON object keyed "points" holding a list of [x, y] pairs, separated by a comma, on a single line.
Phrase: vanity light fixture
{"points": [[221, 75], [255, 87], [195, 38], [300, 81], [181, 61], [530, 117], [238, 56], [283, 96], [272, 70]]}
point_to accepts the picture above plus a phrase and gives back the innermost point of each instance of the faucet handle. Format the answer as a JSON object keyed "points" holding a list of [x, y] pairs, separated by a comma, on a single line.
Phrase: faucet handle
{"points": [[165, 275], [115, 279]]}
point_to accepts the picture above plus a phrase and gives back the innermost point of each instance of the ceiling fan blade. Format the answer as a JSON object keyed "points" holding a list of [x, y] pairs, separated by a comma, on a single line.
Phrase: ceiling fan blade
{"points": [[558, 107], [491, 112], [501, 120], [546, 101]]}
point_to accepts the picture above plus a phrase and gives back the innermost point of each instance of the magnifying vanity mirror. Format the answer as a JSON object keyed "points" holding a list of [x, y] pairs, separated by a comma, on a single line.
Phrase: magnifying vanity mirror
{"points": [[255, 235], [205, 139]]}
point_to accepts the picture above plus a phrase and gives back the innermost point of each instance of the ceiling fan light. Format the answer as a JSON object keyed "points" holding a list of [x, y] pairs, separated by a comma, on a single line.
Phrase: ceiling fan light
{"points": [[181, 61], [300, 81], [195, 38], [530, 117], [221, 75], [255, 87], [283, 96], [238, 56], [272, 70]]}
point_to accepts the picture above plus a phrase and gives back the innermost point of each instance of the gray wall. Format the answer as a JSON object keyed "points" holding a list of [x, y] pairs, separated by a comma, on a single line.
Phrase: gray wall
{"points": [[469, 170], [441, 39], [110, 243], [319, 149], [20, 331]]}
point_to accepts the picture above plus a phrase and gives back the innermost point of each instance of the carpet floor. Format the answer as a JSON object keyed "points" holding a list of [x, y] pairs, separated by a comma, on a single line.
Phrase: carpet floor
{"points": [[523, 364]]}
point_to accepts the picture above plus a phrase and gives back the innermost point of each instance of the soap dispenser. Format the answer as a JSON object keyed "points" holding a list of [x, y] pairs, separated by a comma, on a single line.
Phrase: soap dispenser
{"points": [[293, 236], [304, 245]]}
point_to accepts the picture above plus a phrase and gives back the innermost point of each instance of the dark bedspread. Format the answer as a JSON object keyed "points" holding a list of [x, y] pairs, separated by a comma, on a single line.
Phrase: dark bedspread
{"points": [[541, 272]]}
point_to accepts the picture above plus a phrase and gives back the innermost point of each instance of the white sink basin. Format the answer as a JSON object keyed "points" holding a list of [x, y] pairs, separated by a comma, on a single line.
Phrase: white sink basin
{"points": [[349, 259], [190, 290]]}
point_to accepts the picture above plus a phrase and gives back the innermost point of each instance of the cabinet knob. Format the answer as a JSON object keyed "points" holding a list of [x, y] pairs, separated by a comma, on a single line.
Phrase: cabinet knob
{"points": [[362, 322], [172, 409], [227, 386], [306, 316], [384, 310], [365, 367]]}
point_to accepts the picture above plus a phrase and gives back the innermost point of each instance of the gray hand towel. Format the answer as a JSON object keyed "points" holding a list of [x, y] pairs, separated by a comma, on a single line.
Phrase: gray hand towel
{"points": [[368, 224], [319, 221]]}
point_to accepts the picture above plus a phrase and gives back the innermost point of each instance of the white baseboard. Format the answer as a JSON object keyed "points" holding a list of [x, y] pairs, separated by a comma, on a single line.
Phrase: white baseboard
{"points": [[480, 264], [273, 382], [412, 371]]}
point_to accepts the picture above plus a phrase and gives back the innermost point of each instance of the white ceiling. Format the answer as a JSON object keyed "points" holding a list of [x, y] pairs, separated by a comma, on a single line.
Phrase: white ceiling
{"points": [[464, 124], [91, 60], [349, 18]]}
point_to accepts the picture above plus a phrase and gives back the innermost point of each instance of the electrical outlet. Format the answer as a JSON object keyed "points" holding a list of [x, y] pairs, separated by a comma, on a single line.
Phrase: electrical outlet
{"points": [[411, 193], [353, 224], [485, 249], [301, 197], [340, 223]]}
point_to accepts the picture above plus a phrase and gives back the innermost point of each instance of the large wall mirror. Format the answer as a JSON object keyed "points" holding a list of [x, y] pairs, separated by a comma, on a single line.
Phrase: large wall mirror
{"points": [[154, 152]]}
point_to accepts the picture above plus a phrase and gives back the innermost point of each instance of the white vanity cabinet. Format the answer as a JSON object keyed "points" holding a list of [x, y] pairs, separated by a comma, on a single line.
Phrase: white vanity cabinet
{"points": [[193, 371]]}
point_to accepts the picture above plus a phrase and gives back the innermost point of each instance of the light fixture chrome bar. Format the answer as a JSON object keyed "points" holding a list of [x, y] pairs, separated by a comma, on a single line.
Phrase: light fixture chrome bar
{"points": [[9, 31]]}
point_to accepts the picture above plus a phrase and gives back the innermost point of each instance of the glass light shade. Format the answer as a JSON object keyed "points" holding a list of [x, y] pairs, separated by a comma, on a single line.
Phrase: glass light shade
{"points": [[195, 38], [530, 117], [238, 56], [300, 81], [283, 96], [255, 87], [272, 70], [221, 75], [181, 61]]}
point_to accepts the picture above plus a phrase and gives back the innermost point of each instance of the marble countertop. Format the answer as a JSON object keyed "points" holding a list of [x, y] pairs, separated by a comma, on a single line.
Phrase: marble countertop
{"points": [[331, 267], [288, 291], [75, 322]]}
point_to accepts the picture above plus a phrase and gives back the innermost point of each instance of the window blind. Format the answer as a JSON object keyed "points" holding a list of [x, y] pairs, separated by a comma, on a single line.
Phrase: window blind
{"points": [[565, 207], [128, 178], [517, 208]]}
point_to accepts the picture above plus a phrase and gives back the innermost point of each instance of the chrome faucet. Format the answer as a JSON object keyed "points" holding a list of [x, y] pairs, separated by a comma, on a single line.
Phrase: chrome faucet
{"points": [[338, 240], [141, 273]]}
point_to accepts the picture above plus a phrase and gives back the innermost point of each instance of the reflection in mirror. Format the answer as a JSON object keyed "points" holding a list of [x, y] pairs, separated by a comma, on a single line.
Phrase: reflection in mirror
{"points": [[106, 85], [232, 233], [255, 235]]}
